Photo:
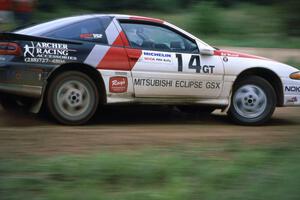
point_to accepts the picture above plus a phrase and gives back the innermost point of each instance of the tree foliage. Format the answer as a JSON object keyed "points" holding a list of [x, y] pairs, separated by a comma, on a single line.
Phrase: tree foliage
{"points": [[290, 14]]}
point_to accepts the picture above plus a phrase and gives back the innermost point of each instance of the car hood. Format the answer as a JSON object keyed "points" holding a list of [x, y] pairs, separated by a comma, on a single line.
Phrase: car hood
{"points": [[228, 53]]}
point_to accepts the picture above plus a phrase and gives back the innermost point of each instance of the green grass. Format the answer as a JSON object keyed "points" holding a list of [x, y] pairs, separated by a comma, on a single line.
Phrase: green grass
{"points": [[207, 173]]}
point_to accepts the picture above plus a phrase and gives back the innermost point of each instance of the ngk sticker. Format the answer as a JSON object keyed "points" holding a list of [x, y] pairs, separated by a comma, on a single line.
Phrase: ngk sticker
{"points": [[118, 84]]}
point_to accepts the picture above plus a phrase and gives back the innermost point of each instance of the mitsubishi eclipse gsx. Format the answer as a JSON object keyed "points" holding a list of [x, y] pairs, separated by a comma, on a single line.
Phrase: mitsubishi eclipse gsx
{"points": [[72, 66]]}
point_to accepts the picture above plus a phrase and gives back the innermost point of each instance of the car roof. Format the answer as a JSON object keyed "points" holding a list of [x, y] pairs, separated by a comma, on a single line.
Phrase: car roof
{"points": [[139, 18], [78, 18], [120, 16]]}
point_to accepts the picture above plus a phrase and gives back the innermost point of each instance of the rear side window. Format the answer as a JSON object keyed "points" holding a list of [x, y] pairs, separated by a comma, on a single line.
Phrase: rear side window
{"points": [[92, 30]]}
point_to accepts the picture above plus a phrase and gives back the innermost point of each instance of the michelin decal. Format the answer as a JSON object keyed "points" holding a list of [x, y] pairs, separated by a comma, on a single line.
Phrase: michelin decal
{"points": [[155, 57]]}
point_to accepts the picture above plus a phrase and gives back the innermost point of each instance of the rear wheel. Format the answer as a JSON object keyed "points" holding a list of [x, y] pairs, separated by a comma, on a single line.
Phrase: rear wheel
{"points": [[253, 101], [72, 98]]}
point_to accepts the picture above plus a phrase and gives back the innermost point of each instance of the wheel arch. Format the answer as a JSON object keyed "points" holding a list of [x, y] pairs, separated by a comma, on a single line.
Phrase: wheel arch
{"points": [[268, 75], [84, 68]]}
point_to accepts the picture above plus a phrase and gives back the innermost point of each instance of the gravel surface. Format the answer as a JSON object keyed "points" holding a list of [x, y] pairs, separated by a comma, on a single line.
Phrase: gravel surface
{"points": [[126, 128]]}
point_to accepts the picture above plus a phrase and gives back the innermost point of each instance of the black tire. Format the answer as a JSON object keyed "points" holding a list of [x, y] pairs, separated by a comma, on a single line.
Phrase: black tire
{"points": [[194, 109], [253, 101], [72, 98]]}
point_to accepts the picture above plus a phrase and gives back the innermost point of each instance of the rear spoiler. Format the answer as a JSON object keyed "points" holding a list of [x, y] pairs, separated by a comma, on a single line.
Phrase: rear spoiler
{"points": [[8, 36]]}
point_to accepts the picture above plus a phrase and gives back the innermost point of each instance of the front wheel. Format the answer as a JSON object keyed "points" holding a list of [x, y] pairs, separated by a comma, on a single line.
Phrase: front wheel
{"points": [[72, 98], [253, 101]]}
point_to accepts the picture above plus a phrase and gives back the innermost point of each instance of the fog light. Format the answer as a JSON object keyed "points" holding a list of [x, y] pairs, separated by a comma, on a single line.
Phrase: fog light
{"points": [[295, 75]]}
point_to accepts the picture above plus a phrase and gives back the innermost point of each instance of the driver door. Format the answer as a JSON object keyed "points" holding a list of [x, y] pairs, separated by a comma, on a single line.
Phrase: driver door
{"points": [[170, 64]]}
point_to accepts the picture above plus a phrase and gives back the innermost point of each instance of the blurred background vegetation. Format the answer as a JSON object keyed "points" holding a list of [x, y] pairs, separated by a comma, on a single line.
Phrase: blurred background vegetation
{"points": [[252, 23]]}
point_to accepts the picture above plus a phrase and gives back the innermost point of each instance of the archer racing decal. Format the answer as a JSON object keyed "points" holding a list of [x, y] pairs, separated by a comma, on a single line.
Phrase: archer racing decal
{"points": [[118, 84], [44, 52]]}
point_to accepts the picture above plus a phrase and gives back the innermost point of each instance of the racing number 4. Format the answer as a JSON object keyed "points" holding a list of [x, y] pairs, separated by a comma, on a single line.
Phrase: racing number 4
{"points": [[196, 60]]}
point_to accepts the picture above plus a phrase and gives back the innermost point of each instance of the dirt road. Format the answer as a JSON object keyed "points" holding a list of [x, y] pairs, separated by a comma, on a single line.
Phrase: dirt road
{"points": [[129, 128]]}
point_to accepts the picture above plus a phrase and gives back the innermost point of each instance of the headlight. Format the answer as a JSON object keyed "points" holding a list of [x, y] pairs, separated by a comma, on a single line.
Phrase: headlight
{"points": [[295, 75]]}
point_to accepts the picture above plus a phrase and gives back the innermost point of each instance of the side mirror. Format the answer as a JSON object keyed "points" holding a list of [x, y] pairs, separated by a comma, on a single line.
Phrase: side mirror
{"points": [[206, 52]]}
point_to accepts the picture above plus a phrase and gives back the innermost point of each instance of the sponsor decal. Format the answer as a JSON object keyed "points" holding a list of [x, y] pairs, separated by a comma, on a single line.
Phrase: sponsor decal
{"points": [[188, 84], [45, 52], [292, 89], [153, 83], [156, 57], [154, 54], [236, 54], [91, 36], [118, 84], [213, 85], [225, 59], [292, 100], [163, 83]]}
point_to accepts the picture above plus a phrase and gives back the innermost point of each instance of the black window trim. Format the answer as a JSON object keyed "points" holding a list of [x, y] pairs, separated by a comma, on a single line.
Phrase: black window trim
{"points": [[130, 21]]}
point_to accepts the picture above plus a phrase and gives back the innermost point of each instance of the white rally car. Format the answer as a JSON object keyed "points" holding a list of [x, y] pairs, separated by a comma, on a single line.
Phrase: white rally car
{"points": [[74, 65]]}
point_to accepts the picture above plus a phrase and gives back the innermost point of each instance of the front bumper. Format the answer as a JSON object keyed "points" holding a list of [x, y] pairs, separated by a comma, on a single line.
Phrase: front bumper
{"points": [[291, 90]]}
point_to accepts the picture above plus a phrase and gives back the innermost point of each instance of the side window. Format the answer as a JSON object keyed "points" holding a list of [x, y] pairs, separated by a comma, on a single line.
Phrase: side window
{"points": [[92, 30], [158, 38]]}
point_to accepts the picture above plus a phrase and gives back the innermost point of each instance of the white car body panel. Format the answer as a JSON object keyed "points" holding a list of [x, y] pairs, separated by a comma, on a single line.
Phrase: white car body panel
{"points": [[151, 69], [228, 66]]}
